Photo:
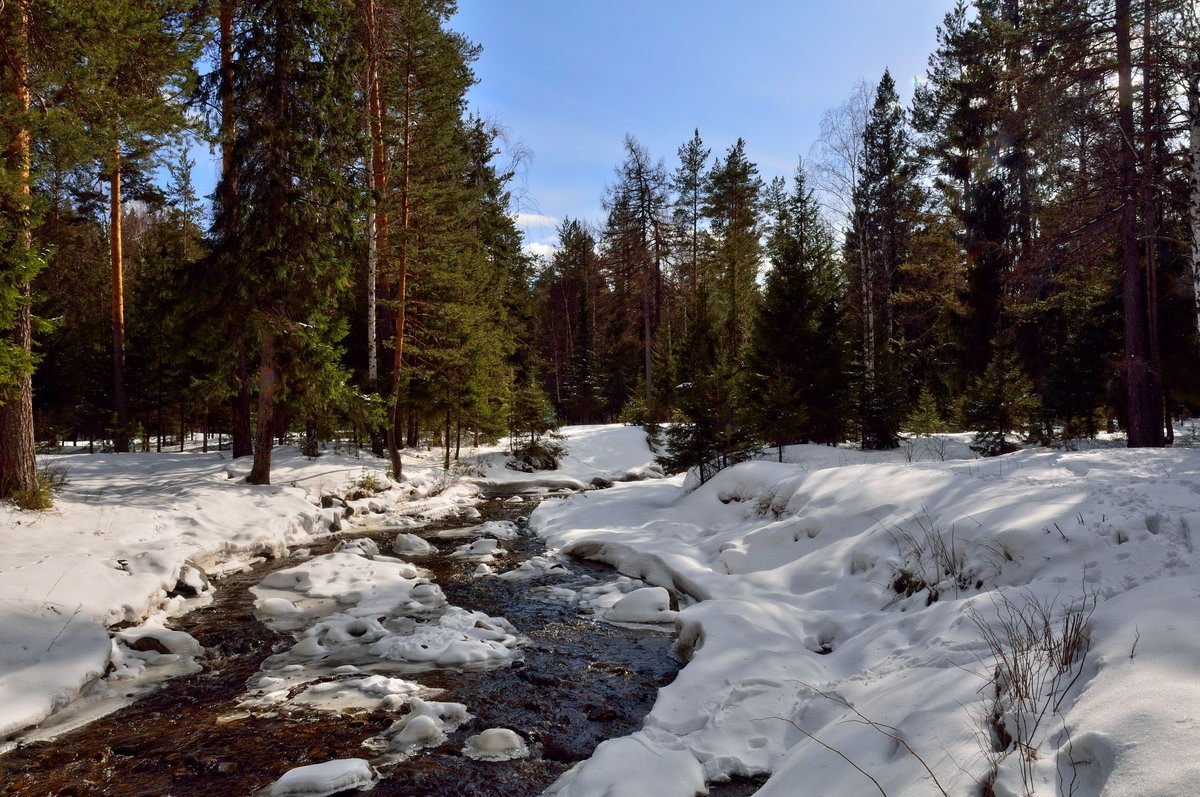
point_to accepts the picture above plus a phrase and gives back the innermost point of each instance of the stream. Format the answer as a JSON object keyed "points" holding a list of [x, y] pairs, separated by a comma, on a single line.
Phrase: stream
{"points": [[574, 682]]}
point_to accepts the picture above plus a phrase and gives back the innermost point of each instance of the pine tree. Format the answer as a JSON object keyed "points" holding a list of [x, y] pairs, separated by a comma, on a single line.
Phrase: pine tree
{"points": [[131, 104], [688, 184], [637, 234], [423, 75]]}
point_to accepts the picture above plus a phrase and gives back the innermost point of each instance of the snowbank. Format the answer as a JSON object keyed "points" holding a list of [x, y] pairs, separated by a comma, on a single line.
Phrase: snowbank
{"points": [[840, 628], [594, 456]]}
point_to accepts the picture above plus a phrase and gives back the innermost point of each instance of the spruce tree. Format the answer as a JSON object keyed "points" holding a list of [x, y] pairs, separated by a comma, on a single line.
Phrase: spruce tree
{"points": [[732, 204], [18, 476], [294, 78], [794, 376]]}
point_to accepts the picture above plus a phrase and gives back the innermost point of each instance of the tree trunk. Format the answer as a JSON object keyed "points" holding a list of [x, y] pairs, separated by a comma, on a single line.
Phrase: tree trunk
{"points": [[446, 454], [241, 437], [1150, 207], [1144, 407], [268, 384], [377, 232], [120, 400], [18, 464], [646, 334], [1193, 216], [401, 286]]}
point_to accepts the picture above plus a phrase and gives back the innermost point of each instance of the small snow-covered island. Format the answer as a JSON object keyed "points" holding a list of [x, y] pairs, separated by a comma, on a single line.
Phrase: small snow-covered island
{"points": [[600, 399]]}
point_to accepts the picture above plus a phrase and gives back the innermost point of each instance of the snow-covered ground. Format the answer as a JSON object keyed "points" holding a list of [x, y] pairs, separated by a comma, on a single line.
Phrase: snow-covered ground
{"points": [[820, 653], [594, 456], [842, 611]]}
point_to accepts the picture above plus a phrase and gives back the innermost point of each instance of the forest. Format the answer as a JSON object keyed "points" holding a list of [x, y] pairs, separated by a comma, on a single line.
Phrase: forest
{"points": [[1015, 253]]}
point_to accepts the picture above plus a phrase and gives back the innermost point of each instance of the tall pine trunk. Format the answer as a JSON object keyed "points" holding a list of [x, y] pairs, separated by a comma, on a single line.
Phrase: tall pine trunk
{"points": [[1193, 214], [268, 385], [377, 232], [18, 465], [1143, 403], [393, 432], [120, 400]]}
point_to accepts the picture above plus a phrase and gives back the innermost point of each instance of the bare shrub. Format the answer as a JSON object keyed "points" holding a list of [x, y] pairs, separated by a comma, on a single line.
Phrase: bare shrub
{"points": [[1038, 647], [934, 561]]}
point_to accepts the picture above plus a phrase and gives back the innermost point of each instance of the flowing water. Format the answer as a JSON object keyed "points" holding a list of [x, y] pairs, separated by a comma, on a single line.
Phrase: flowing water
{"points": [[576, 682]]}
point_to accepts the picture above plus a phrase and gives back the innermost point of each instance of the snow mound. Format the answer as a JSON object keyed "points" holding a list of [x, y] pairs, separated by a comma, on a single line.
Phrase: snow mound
{"points": [[484, 550], [427, 724], [496, 744], [645, 605], [322, 780], [412, 545], [534, 567]]}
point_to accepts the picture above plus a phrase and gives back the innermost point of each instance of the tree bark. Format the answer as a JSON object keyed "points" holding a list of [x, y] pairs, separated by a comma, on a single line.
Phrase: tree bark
{"points": [[18, 464], [393, 435], [1193, 98], [268, 384], [1143, 404], [120, 400], [377, 233]]}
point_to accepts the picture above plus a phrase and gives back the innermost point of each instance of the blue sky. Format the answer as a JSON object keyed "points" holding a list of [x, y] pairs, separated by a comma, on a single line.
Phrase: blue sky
{"points": [[569, 79]]}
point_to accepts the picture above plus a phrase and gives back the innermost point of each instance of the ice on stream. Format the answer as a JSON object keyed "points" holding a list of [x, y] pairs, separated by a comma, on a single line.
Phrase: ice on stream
{"points": [[428, 723], [482, 550], [361, 618]]}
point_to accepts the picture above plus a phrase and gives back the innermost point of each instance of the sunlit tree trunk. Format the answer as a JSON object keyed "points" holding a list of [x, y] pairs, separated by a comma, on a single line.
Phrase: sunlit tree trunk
{"points": [[18, 466], [116, 263]]}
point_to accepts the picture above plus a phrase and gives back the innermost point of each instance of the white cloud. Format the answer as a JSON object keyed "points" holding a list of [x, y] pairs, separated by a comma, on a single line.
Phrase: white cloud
{"points": [[540, 249], [535, 220]]}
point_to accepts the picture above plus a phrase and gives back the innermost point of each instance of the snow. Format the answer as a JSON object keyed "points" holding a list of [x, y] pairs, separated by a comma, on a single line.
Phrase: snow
{"points": [[321, 780], [496, 744], [427, 724], [798, 624], [645, 605], [137, 536], [593, 455], [833, 607]]}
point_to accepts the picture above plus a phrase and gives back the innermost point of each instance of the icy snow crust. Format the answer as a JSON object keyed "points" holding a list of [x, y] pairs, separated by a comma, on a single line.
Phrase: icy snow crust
{"points": [[798, 619]]}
